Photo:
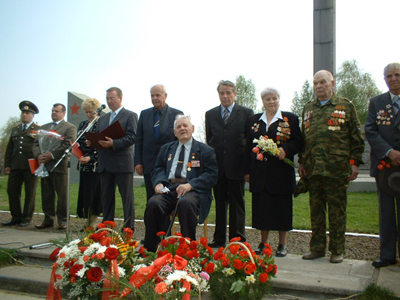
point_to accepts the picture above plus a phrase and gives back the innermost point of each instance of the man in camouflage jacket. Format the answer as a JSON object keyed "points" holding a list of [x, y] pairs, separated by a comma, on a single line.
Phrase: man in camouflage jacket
{"points": [[332, 153]]}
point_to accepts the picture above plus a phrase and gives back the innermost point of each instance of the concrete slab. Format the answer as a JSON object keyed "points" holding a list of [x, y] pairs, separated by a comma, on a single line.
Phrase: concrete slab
{"points": [[389, 277]]}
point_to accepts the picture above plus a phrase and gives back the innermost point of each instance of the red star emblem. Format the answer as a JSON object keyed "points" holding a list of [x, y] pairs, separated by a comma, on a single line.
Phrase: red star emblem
{"points": [[75, 109]]}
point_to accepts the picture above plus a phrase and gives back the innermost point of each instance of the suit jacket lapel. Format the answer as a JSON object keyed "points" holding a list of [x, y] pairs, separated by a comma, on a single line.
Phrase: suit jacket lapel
{"points": [[171, 154]]}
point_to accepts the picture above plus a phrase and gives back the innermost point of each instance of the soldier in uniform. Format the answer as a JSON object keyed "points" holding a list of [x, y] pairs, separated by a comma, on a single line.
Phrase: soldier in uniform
{"points": [[19, 150], [329, 161]]}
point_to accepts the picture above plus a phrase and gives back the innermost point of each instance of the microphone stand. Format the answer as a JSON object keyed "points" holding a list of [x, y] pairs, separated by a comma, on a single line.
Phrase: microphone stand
{"points": [[67, 151]]}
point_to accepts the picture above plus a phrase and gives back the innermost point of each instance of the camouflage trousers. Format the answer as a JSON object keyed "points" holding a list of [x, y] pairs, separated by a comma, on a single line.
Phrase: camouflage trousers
{"points": [[332, 193]]}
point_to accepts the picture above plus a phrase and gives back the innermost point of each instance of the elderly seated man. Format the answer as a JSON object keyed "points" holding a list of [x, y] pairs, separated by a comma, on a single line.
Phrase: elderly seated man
{"points": [[184, 174]]}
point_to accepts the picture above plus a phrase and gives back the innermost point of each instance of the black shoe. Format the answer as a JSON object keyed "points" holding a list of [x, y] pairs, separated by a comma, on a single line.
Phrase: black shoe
{"points": [[215, 244], [260, 249], [379, 263], [281, 252], [11, 223], [43, 226], [23, 224]]}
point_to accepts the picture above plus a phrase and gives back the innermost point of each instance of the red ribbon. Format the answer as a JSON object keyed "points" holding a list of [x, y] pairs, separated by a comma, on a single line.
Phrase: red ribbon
{"points": [[52, 292], [111, 289]]}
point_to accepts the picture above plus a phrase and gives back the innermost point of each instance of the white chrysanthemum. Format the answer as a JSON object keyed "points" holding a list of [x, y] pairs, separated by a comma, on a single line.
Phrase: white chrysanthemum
{"points": [[121, 271], [81, 272], [176, 276], [137, 267], [250, 279], [101, 249], [113, 246], [74, 242]]}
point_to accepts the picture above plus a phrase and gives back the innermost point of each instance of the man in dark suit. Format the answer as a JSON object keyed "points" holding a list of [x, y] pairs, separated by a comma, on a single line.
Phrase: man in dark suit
{"points": [[226, 132], [183, 175], [18, 151], [382, 129], [155, 128], [116, 159], [57, 181]]}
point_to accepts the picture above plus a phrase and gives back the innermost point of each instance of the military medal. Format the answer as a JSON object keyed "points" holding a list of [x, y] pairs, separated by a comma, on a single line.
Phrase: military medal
{"points": [[170, 157], [189, 168]]}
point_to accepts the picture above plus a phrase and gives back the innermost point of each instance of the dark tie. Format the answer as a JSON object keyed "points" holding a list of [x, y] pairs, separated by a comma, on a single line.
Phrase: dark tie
{"points": [[157, 125], [24, 127], [179, 166], [53, 125], [226, 115]]}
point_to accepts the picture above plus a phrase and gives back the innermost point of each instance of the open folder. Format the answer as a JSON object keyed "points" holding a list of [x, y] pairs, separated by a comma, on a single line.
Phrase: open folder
{"points": [[113, 131]]}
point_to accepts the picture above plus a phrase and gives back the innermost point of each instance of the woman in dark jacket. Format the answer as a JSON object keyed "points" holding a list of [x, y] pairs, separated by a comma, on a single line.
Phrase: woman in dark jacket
{"points": [[272, 180], [89, 198]]}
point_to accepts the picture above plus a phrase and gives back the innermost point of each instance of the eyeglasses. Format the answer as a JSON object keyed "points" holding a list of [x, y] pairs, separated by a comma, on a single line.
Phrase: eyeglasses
{"points": [[111, 98]]}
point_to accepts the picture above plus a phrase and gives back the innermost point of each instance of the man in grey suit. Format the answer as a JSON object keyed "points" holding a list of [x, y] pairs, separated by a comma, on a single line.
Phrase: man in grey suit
{"points": [[226, 130], [116, 159], [57, 181], [382, 129], [189, 170], [155, 128]]}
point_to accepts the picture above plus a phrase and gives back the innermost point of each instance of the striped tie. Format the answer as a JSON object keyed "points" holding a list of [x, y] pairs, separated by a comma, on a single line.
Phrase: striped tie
{"points": [[226, 115], [395, 103]]}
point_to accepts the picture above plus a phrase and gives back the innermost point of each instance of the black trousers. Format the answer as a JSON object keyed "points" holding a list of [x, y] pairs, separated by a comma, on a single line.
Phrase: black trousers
{"points": [[15, 181], [230, 193], [160, 207], [149, 186], [124, 181]]}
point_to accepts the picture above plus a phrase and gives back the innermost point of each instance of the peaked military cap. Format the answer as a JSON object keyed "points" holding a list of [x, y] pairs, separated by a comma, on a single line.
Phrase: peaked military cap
{"points": [[28, 106]]}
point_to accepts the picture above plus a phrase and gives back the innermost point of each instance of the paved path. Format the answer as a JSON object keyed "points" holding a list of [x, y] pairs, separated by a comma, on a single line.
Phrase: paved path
{"points": [[294, 273]]}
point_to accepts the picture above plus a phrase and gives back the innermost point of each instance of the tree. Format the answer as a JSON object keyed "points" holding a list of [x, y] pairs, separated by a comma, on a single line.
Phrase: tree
{"points": [[5, 137], [299, 100], [246, 93], [352, 83]]}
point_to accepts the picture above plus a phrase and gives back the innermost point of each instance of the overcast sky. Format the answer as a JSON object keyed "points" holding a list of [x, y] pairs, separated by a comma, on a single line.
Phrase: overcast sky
{"points": [[86, 46]]}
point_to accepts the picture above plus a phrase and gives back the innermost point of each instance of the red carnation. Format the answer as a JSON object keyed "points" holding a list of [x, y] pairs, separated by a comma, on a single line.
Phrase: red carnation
{"points": [[110, 224], [238, 264], [264, 277], [210, 267], [226, 262], [161, 233], [111, 253]]}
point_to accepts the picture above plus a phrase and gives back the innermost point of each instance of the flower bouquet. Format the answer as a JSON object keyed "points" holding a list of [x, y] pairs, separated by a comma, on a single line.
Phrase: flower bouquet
{"points": [[176, 272], [48, 141], [86, 268], [266, 145], [239, 273]]}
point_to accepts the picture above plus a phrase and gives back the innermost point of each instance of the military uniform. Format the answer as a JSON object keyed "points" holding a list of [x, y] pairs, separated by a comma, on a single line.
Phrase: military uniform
{"points": [[19, 150], [332, 138]]}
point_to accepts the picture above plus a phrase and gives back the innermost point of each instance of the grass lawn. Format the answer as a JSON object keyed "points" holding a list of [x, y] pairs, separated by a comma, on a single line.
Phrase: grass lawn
{"points": [[362, 209]]}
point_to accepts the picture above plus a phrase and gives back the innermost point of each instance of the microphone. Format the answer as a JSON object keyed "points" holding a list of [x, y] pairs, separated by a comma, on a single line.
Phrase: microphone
{"points": [[103, 106]]}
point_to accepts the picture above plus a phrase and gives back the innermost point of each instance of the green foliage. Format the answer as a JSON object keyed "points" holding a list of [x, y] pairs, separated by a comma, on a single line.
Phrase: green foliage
{"points": [[5, 136], [373, 292], [352, 83], [7, 256], [299, 100], [246, 93]]}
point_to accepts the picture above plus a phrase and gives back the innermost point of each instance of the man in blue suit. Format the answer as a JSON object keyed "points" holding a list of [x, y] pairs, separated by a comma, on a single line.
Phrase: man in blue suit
{"points": [[116, 159], [155, 128], [382, 129], [184, 174]]}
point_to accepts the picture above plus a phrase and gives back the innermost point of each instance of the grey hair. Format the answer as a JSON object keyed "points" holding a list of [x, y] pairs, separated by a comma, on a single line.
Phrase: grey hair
{"points": [[163, 88], [391, 66], [270, 91], [180, 117]]}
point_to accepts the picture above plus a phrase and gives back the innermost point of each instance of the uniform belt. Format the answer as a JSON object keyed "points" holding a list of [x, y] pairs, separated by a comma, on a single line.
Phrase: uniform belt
{"points": [[178, 180]]}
